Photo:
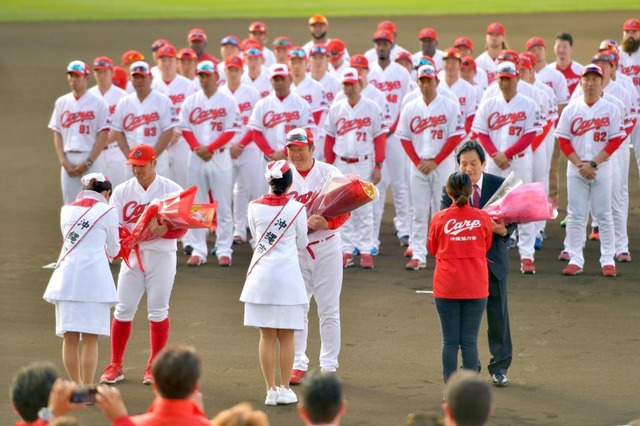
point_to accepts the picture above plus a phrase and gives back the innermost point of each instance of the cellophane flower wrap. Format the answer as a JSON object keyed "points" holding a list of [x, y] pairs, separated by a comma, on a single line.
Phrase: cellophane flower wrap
{"points": [[340, 194], [517, 202], [176, 210]]}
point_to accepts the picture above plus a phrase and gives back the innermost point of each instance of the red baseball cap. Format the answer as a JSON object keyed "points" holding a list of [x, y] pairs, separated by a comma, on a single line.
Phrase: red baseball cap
{"points": [[102, 63], [507, 69], [404, 55], [281, 42], [131, 56], [509, 56], [351, 75], [533, 58], [452, 53], [279, 70], [318, 19], [187, 53], [383, 35], [258, 27], [388, 26], [525, 62], [197, 34], [141, 155], [631, 25], [535, 41], [120, 77], [158, 44], [469, 63], [167, 51], [497, 28], [299, 137], [78, 68], [359, 61], [608, 45], [335, 47], [592, 68], [233, 61], [427, 33], [463, 41], [248, 43]]}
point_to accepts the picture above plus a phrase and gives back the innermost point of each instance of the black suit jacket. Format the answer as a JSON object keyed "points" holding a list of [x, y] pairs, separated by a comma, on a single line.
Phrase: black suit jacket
{"points": [[498, 253]]}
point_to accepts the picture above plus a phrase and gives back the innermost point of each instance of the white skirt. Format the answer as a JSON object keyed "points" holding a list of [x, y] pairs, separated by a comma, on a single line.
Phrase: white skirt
{"points": [[83, 317], [274, 316]]}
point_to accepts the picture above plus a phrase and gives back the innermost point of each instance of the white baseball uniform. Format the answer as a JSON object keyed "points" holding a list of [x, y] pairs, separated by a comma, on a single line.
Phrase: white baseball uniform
{"points": [[354, 130], [114, 159], [144, 122], [321, 265], [589, 129], [262, 84], [505, 123], [332, 86], [467, 97], [372, 56], [314, 93], [393, 81], [373, 94], [269, 57], [78, 122], [178, 89], [485, 63], [308, 45], [415, 93], [571, 74], [208, 119], [553, 78], [428, 127], [630, 66]]}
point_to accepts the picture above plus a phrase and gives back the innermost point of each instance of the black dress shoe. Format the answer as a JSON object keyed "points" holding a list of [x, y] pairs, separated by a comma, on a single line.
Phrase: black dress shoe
{"points": [[499, 380], [188, 250]]}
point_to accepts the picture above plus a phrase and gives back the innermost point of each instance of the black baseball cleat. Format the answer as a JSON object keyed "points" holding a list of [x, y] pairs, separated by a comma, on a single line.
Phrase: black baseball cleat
{"points": [[499, 380], [188, 250]]}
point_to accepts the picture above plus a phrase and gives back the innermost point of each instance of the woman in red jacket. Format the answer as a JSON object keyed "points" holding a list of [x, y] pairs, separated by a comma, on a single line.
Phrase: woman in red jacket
{"points": [[459, 238]]}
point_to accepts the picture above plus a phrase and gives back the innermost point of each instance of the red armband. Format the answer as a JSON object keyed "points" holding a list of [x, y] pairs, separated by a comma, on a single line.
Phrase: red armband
{"points": [[246, 139], [262, 143], [520, 145], [329, 155], [487, 144], [408, 147], [537, 141], [448, 148], [222, 140], [393, 127], [613, 144], [469, 122], [565, 146], [338, 221], [379, 147], [191, 139]]}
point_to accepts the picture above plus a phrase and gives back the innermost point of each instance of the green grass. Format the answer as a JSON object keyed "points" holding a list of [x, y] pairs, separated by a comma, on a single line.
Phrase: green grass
{"points": [[69, 10]]}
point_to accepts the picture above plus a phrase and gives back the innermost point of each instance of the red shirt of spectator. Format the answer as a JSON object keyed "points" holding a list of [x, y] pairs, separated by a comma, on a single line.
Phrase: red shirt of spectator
{"points": [[168, 412]]}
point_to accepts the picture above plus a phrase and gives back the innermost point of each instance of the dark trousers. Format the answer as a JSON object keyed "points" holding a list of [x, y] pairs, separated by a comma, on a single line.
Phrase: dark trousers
{"points": [[460, 322], [498, 332]]}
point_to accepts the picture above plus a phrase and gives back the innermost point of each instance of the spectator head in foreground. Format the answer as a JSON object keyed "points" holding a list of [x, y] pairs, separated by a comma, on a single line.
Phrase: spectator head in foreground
{"points": [[322, 399], [468, 400]]}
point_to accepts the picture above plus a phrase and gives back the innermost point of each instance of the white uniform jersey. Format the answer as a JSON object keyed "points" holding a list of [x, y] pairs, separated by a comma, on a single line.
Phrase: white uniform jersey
{"points": [[615, 90], [246, 97], [303, 188], [355, 128], [589, 128], [506, 122], [627, 83], [523, 88], [338, 71], [437, 58], [111, 96], [208, 118], [441, 90], [130, 199], [144, 122], [488, 65], [429, 126], [393, 82], [571, 74], [481, 80], [550, 111], [331, 86], [466, 94], [262, 84], [312, 92], [553, 78], [375, 95], [307, 48], [269, 57], [275, 118], [79, 120], [155, 73], [630, 66], [372, 56], [222, 75], [178, 89]]}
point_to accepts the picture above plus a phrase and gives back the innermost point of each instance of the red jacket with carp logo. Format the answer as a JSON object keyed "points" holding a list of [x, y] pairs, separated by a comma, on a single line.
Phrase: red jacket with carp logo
{"points": [[459, 238]]}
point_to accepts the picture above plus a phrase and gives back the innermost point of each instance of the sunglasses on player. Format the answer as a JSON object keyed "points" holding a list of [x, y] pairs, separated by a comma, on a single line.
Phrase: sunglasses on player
{"points": [[103, 64], [297, 53]]}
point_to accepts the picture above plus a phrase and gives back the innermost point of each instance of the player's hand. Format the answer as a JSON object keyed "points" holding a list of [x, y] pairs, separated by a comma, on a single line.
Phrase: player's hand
{"points": [[499, 227], [158, 227], [278, 155], [317, 222], [60, 398], [175, 137], [203, 152], [586, 171], [235, 150], [376, 177], [81, 168], [109, 400], [501, 160], [427, 166], [70, 169]]}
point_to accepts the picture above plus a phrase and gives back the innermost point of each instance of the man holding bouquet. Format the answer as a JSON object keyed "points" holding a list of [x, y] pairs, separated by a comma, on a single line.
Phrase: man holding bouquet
{"points": [[321, 260], [152, 271]]}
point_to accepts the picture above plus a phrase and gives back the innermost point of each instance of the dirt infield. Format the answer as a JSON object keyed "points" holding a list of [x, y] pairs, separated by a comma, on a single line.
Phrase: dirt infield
{"points": [[576, 340]]}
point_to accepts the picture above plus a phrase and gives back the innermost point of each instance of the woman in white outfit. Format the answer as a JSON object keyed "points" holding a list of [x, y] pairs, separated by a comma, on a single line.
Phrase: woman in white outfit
{"points": [[274, 293], [82, 287]]}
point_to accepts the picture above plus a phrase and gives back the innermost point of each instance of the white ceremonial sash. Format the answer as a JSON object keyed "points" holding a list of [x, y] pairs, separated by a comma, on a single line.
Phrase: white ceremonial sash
{"points": [[83, 225], [273, 234]]}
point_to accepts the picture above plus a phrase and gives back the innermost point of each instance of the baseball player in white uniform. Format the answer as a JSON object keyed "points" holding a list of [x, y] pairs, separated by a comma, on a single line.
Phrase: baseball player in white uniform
{"points": [[496, 42], [258, 31], [506, 126], [589, 131], [209, 120], [371, 54], [630, 66], [430, 128], [177, 88], [338, 60], [80, 124], [318, 25], [356, 139], [256, 74], [114, 167], [153, 271], [321, 261], [464, 91], [393, 80], [277, 114], [428, 38], [145, 117], [465, 47]]}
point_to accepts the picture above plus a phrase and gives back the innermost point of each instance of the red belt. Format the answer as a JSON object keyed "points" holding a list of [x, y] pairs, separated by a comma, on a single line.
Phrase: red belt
{"points": [[311, 253], [349, 160]]}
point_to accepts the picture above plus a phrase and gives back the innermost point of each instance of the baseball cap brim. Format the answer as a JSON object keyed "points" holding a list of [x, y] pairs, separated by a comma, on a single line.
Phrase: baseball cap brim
{"points": [[508, 75], [138, 162]]}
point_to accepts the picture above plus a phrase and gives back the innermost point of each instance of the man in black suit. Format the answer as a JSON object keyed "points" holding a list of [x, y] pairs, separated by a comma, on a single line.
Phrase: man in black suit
{"points": [[471, 160]]}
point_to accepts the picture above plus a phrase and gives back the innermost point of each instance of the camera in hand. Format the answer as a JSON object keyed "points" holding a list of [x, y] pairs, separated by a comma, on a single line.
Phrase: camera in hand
{"points": [[84, 395]]}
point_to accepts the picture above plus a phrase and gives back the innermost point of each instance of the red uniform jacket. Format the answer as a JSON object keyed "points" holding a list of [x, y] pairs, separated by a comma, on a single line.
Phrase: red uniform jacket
{"points": [[459, 238]]}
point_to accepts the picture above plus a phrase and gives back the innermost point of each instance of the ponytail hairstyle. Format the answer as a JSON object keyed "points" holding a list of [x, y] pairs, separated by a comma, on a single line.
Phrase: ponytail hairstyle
{"points": [[96, 182], [459, 188], [279, 176]]}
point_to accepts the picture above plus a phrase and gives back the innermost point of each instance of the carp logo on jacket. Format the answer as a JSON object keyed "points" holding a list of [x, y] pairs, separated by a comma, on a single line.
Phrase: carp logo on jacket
{"points": [[580, 126], [419, 124], [453, 227], [132, 211], [132, 122], [272, 119], [387, 86], [497, 121], [199, 115], [344, 126], [70, 118], [301, 198]]}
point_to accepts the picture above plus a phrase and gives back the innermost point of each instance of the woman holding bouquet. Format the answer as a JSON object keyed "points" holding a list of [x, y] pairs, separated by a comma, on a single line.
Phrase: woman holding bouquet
{"points": [[459, 238], [274, 292], [82, 287]]}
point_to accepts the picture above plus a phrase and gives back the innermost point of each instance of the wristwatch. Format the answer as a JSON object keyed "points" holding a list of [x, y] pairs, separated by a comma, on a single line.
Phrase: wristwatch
{"points": [[89, 163], [378, 165], [45, 414], [593, 164]]}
